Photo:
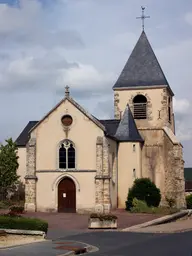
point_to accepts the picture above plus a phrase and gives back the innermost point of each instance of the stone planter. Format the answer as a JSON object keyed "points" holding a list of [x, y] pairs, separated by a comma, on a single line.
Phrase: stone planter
{"points": [[96, 223]]}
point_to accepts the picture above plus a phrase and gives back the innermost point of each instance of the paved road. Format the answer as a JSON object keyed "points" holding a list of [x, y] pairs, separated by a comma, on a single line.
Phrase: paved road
{"points": [[116, 244], [137, 244]]}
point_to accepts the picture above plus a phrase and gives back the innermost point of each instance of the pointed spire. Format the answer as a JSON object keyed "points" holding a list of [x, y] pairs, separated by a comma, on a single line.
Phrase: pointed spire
{"points": [[142, 67], [127, 129]]}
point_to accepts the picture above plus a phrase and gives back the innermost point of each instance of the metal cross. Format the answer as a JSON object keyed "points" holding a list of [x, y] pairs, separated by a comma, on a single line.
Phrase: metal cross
{"points": [[143, 17], [66, 90]]}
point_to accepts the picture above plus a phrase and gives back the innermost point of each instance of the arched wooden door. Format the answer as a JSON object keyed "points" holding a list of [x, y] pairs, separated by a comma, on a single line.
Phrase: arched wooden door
{"points": [[66, 196]]}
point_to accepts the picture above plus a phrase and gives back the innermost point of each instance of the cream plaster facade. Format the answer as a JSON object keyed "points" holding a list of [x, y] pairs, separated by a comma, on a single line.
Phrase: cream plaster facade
{"points": [[129, 168], [109, 154]]}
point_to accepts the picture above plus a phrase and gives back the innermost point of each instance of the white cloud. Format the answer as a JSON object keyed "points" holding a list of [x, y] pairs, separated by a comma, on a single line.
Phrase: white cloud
{"points": [[50, 71], [27, 26], [188, 18], [84, 76], [184, 133], [183, 119], [181, 105]]}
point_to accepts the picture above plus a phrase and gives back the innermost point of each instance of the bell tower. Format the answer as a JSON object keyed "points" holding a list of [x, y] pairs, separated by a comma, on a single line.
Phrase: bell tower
{"points": [[143, 85]]}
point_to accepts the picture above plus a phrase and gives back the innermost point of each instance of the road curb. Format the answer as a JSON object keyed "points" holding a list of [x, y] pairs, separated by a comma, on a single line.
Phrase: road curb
{"points": [[158, 221], [24, 232]]}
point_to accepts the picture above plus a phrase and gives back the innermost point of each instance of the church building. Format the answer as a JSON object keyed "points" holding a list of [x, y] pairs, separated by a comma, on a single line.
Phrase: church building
{"points": [[71, 161]]}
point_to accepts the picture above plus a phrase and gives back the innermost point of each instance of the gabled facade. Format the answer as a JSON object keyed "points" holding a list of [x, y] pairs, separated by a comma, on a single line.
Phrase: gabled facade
{"points": [[72, 161]]}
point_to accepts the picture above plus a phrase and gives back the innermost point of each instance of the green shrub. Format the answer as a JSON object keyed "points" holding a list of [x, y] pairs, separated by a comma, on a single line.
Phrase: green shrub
{"points": [[129, 202], [140, 206], [145, 190], [18, 222], [103, 216], [6, 204], [189, 201], [17, 209]]}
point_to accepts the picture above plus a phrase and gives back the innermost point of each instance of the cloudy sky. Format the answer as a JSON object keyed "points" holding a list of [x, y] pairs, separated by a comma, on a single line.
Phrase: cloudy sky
{"points": [[46, 44]]}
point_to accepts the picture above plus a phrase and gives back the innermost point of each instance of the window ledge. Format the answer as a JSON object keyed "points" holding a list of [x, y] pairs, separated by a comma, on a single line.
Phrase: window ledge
{"points": [[65, 170]]}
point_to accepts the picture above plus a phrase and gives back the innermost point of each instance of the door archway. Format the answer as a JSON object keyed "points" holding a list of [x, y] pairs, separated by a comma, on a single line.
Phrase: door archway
{"points": [[66, 195]]}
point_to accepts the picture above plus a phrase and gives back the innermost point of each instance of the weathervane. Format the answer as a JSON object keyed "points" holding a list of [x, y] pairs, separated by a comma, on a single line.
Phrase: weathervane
{"points": [[143, 17]]}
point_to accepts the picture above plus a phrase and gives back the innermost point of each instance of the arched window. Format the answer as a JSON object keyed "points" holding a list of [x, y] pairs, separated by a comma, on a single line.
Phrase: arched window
{"points": [[140, 107], [67, 155]]}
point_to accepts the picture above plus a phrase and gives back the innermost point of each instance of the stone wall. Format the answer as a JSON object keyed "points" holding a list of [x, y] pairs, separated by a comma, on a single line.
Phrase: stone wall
{"points": [[157, 106], [162, 162], [117, 113], [102, 179], [30, 178], [174, 171]]}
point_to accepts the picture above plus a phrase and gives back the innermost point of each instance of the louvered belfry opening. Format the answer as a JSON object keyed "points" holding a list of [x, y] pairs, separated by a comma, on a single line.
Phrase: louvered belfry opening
{"points": [[140, 107]]}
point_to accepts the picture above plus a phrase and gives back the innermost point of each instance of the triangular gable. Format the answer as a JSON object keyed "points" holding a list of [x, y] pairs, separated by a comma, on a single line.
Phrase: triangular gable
{"points": [[80, 108]]}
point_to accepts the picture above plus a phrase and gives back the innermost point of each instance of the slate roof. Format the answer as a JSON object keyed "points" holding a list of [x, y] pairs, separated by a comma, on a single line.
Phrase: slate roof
{"points": [[111, 126], [142, 68], [23, 138], [127, 129]]}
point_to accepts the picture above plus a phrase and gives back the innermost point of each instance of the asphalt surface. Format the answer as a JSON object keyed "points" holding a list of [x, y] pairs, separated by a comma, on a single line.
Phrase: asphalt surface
{"points": [[114, 243]]}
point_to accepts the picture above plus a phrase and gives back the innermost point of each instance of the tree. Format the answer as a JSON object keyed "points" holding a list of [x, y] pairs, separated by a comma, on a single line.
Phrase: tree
{"points": [[8, 166], [145, 190]]}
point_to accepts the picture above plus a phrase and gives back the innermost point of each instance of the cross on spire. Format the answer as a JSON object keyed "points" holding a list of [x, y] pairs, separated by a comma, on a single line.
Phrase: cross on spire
{"points": [[143, 17], [66, 91]]}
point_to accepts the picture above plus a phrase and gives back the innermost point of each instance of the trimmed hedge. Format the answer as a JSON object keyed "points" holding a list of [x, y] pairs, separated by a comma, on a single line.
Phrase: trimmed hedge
{"points": [[18, 222]]}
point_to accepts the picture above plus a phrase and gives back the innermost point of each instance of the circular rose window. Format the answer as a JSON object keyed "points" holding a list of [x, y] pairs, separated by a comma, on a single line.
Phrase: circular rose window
{"points": [[67, 120]]}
